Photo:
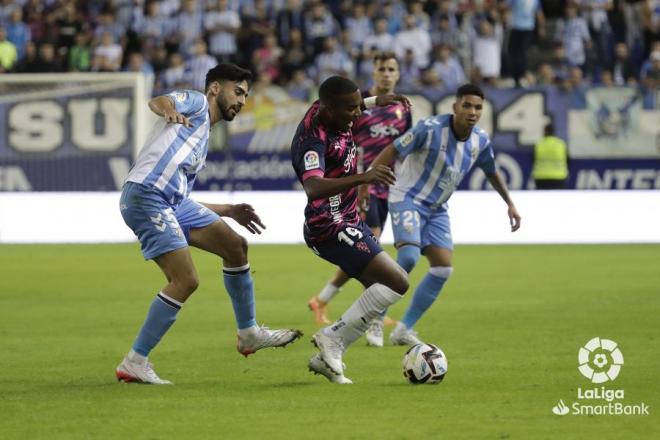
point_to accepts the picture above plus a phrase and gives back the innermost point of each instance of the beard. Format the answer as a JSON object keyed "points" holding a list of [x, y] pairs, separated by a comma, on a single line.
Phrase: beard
{"points": [[228, 113]]}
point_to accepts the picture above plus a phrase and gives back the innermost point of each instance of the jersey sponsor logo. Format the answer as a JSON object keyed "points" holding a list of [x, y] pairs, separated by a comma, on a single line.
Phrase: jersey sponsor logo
{"points": [[450, 179], [335, 202], [348, 163], [312, 160], [407, 139], [383, 130]]}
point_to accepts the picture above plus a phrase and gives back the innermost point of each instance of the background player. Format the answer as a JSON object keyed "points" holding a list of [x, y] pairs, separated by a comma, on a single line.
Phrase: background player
{"points": [[432, 158], [324, 157], [155, 205], [376, 129]]}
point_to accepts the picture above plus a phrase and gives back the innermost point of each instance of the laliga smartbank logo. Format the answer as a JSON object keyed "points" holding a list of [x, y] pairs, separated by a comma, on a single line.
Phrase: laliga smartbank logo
{"points": [[600, 361]]}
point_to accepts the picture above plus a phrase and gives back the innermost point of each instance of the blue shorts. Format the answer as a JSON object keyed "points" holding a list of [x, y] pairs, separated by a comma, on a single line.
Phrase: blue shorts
{"points": [[420, 225], [377, 212], [159, 227], [352, 250]]}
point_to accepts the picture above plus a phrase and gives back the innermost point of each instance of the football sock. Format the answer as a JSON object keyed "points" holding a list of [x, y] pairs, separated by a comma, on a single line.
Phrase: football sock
{"points": [[407, 256], [355, 321], [427, 291], [240, 287], [328, 292], [160, 318]]}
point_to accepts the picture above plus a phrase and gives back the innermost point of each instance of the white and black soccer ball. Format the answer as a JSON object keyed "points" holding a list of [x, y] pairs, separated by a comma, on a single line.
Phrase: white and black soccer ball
{"points": [[424, 363]]}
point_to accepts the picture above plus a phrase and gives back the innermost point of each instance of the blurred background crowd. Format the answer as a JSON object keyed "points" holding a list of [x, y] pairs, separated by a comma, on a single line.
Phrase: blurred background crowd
{"points": [[298, 43]]}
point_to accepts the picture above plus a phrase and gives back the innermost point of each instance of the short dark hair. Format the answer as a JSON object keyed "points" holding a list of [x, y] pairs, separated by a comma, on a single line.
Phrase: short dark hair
{"points": [[227, 72], [384, 56], [336, 86], [469, 89], [549, 129]]}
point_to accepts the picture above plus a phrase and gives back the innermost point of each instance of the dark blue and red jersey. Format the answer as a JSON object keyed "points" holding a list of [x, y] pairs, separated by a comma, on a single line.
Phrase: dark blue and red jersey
{"points": [[376, 129], [319, 151]]}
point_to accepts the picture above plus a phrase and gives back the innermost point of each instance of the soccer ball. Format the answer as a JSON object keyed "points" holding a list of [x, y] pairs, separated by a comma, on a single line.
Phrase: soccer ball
{"points": [[424, 363]]}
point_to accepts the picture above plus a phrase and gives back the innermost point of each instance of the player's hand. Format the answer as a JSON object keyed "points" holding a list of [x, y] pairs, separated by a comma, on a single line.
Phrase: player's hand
{"points": [[385, 100], [177, 118], [514, 218], [245, 216], [382, 174]]}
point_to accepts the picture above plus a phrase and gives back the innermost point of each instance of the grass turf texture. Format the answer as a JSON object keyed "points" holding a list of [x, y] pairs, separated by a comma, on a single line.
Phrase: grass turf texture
{"points": [[510, 320]]}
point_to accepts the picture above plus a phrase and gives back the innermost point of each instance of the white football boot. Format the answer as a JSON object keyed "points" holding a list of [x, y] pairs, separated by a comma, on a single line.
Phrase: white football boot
{"points": [[262, 337], [138, 372], [318, 366], [331, 351], [402, 336], [374, 333]]}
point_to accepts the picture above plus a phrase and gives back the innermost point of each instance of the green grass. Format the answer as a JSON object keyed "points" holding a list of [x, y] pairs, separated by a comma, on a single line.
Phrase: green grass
{"points": [[510, 320]]}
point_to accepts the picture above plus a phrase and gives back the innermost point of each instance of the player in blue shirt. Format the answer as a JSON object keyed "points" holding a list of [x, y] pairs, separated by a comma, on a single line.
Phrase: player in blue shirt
{"points": [[432, 159], [155, 205]]}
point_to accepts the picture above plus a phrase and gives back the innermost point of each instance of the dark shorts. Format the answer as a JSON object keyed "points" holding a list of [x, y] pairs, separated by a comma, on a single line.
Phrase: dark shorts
{"points": [[352, 249], [377, 213]]}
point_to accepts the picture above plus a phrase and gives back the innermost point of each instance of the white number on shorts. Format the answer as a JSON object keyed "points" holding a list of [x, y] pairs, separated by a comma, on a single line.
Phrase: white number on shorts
{"points": [[410, 220], [353, 232]]}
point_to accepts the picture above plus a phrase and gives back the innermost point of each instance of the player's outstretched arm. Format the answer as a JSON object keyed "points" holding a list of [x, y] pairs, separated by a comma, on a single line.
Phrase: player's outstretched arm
{"points": [[243, 213], [321, 187], [514, 218], [385, 100], [386, 157], [163, 106]]}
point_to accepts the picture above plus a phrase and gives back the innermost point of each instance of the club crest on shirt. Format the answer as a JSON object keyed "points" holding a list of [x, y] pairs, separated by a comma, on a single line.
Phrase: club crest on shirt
{"points": [[180, 96], [311, 160], [407, 139], [398, 113], [474, 151]]}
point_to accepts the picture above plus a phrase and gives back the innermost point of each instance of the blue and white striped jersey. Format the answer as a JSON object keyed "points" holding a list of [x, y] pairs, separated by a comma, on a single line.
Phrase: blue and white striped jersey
{"points": [[432, 162], [173, 154]]}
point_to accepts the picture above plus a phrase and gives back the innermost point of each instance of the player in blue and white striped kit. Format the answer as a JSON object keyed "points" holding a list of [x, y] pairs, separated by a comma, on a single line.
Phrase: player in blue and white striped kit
{"points": [[432, 159], [155, 205]]}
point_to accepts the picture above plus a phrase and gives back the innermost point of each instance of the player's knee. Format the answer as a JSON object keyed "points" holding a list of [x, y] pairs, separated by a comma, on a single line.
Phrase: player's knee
{"points": [[187, 284], [399, 282], [407, 256], [237, 250]]}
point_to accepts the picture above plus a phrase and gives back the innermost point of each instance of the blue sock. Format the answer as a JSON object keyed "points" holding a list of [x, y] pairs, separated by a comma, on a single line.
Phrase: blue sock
{"points": [[160, 318], [407, 256], [427, 291], [238, 283]]}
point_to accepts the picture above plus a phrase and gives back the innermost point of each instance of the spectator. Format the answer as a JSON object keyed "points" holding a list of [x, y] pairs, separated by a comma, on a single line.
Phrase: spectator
{"points": [[319, 25], [110, 52], [80, 54], [254, 30], [200, 63], [447, 68], [69, 25], [578, 86], [18, 32], [8, 53], [222, 24], [524, 16], [289, 19], [545, 76], [295, 54], [651, 74], [415, 39], [380, 40], [190, 25], [487, 51], [30, 61], [359, 25], [266, 59], [550, 169], [48, 62], [155, 26], [106, 24], [623, 69], [574, 35], [175, 76], [410, 72], [393, 16], [300, 87], [333, 61], [650, 21], [422, 19], [599, 28], [137, 63]]}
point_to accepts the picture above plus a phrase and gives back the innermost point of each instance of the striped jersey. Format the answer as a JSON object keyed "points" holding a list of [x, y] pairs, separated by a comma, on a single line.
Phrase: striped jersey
{"points": [[319, 151], [432, 161], [376, 129], [173, 154]]}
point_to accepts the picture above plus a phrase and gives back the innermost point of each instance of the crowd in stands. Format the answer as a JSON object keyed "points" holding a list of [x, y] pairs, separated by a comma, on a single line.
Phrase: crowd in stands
{"points": [[298, 43]]}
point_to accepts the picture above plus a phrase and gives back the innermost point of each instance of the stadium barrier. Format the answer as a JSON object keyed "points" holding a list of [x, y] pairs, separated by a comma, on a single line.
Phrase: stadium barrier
{"points": [[477, 217]]}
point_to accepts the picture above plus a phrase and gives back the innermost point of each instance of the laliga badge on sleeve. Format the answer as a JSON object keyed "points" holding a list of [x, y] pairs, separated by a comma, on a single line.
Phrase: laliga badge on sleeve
{"points": [[407, 138], [311, 160]]}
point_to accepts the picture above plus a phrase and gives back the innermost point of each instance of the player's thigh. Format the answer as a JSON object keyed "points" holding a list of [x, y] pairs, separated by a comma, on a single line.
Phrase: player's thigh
{"points": [[152, 220], [406, 223], [436, 231], [219, 239], [384, 270], [179, 268]]}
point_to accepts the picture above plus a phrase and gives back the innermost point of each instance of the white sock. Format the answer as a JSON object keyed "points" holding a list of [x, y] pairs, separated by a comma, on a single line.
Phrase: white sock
{"points": [[355, 321], [328, 292], [136, 357]]}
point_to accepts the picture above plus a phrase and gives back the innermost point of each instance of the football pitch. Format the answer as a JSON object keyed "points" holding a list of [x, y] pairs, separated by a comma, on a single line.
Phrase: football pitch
{"points": [[511, 321]]}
